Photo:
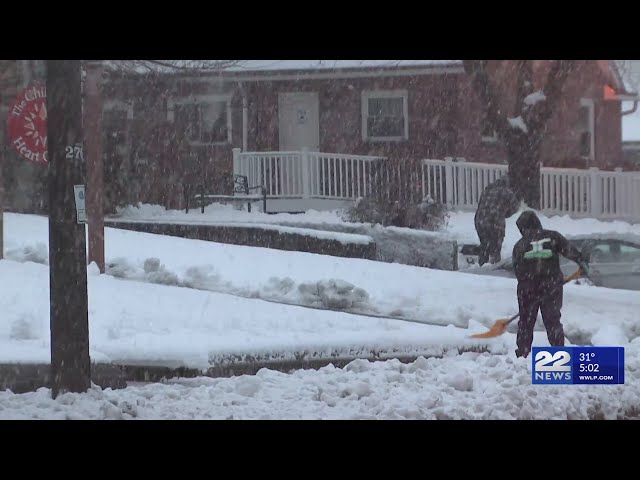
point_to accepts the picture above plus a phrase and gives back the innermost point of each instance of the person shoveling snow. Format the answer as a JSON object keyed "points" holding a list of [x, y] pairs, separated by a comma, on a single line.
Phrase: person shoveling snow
{"points": [[536, 262]]}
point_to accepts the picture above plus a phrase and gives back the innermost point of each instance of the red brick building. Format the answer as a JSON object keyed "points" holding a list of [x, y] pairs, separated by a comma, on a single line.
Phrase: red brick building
{"points": [[392, 108], [164, 129]]}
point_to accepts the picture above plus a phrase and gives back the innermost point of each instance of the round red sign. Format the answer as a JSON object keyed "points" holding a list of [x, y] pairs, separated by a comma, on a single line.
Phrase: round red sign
{"points": [[27, 124]]}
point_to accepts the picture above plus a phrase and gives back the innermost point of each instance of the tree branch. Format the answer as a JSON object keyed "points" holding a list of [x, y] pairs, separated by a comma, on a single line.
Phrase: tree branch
{"points": [[524, 70], [477, 71], [542, 111], [159, 66]]}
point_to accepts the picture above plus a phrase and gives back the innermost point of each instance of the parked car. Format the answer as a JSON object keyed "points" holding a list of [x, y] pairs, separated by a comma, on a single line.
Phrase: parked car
{"points": [[614, 260]]}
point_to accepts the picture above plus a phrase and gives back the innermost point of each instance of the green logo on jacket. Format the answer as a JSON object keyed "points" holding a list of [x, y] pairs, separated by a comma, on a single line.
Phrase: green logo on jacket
{"points": [[538, 250]]}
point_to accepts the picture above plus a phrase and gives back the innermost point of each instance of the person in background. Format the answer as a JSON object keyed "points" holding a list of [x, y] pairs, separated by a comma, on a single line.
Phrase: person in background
{"points": [[497, 203]]}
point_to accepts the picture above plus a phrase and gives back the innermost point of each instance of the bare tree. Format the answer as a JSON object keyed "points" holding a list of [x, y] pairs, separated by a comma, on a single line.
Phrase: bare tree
{"points": [[521, 126], [171, 66], [630, 73]]}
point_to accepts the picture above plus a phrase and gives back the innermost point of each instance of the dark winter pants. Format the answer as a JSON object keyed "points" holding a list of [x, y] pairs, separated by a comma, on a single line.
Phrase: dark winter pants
{"points": [[530, 301], [491, 236]]}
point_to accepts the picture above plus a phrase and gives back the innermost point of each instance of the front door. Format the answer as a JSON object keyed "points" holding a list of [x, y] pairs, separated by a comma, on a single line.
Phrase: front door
{"points": [[298, 120]]}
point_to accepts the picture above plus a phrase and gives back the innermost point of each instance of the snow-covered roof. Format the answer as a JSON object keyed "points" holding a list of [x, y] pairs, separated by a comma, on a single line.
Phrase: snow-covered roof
{"points": [[296, 65], [256, 66]]}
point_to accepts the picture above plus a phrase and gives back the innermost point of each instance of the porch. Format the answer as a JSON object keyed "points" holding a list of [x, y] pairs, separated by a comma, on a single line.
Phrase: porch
{"points": [[297, 181]]}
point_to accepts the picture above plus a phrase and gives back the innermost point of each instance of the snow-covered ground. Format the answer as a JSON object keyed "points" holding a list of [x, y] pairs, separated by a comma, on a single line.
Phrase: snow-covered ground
{"points": [[171, 301], [468, 386], [459, 226], [138, 315], [139, 323]]}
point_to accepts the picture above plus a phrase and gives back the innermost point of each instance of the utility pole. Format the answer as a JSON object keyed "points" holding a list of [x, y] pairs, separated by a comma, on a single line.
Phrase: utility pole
{"points": [[70, 362]]}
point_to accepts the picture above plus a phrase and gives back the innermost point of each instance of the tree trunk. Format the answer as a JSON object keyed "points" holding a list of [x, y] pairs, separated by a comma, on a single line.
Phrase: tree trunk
{"points": [[524, 169], [523, 142]]}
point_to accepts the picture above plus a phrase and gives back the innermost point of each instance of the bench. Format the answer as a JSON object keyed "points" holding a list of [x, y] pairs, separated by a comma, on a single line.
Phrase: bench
{"points": [[241, 194]]}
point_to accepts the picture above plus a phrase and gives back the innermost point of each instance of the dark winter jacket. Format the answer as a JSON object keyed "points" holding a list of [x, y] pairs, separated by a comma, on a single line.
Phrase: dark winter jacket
{"points": [[497, 203], [536, 256]]}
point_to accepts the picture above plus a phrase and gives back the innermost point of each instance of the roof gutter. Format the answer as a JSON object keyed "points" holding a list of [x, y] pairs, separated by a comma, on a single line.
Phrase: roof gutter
{"points": [[626, 97]]}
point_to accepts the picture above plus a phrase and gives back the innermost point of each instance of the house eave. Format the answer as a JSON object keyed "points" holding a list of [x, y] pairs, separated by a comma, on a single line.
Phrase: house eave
{"points": [[298, 75]]}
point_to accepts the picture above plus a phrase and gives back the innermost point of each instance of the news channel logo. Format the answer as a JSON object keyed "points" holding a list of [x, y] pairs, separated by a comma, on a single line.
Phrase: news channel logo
{"points": [[577, 365]]}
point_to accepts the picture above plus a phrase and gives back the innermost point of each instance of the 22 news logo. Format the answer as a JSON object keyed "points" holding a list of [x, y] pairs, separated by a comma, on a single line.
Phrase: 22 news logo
{"points": [[552, 366]]}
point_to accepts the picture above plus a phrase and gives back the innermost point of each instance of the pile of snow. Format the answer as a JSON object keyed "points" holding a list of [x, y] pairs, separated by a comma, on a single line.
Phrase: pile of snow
{"points": [[610, 335], [330, 294], [333, 295], [38, 253], [221, 213], [468, 386]]}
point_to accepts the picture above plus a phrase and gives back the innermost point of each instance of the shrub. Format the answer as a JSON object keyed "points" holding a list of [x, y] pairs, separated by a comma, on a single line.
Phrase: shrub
{"points": [[426, 215]]}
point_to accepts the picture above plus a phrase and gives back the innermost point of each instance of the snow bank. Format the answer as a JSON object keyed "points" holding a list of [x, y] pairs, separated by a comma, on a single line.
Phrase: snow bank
{"points": [[221, 213], [399, 245], [344, 238], [393, 244], [469, 386]]}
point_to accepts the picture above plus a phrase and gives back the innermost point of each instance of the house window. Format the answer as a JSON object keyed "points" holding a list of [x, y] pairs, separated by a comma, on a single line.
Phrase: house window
{"points": [[586, 127], [385, 115], [205, 122]]}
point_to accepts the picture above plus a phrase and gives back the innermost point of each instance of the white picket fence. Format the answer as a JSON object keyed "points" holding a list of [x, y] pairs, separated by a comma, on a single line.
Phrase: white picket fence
{"points": [[307, 174], [458, 184]]}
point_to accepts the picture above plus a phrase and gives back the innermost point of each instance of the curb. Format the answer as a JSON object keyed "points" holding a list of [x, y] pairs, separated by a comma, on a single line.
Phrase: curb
{"points": [[23, 378], [150, 373], [29, 377]]}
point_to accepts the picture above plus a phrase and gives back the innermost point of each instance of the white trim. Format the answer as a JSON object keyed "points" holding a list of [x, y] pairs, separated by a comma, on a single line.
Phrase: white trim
{"points": [[589, 103], [199, 99], [368, 94], [245, 118], [368, 73]]}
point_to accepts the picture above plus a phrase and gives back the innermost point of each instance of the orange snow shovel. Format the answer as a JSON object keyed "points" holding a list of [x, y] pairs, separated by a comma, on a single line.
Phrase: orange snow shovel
{"points": [[500, 326]]}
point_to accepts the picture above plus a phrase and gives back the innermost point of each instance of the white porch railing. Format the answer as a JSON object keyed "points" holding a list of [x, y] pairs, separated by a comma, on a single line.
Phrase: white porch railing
{"points": [[307, 174], [458, 184]]}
